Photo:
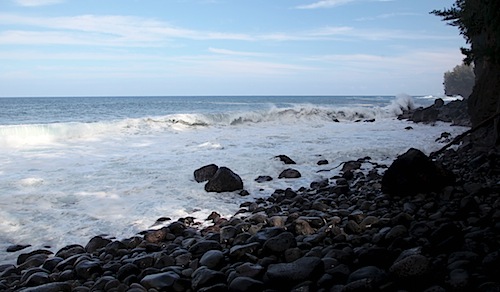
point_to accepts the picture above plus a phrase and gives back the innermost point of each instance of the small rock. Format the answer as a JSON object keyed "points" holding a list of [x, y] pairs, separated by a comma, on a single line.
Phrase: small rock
{"points": [[17, 247], [243, 284], [212, 259], [263, 178], [289, 274], [290, 173], [410, 267], [161, 281], [285, 159]]}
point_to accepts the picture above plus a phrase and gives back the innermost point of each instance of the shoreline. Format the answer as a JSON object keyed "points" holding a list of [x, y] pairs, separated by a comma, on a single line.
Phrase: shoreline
{"points": [[341, 234]]}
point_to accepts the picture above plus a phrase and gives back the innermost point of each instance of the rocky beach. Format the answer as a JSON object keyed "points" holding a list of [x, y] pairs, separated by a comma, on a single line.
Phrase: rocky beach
{"points": [[419, 224]]}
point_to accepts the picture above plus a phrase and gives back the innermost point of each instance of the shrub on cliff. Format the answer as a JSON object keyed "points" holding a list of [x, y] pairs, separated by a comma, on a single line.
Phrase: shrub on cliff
{"points": [[459, 81]]}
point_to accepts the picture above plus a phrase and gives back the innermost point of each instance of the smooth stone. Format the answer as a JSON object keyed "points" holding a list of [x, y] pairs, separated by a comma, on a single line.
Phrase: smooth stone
{"points": [[411, 266], [17, 247], [201, 247], [96, 243], [161, 281], [290, 173], [205, 277], [243, 284], [85, 269], [280, 243], [51, 287], [295, 272], [371, 273], [212, 259]]}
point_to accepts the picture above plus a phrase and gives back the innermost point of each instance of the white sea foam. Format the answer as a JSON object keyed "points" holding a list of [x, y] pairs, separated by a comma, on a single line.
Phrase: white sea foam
{"points": [[64, 183]]}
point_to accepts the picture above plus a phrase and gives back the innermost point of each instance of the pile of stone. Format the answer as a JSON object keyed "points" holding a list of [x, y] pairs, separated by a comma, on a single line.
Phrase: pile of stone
{"points": [[415, 228], [454, 112]]}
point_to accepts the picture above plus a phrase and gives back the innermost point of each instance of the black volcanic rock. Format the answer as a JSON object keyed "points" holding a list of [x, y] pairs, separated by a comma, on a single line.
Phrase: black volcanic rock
{"points": [[224, 180], [414, 172], [205, 173]]}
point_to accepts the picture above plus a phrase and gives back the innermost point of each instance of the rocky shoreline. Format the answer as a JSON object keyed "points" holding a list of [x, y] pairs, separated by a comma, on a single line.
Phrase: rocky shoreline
{"points": [[340, 234]]}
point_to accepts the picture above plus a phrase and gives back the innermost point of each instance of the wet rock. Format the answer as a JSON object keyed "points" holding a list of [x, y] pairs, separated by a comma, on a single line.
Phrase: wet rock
{"points": [[243, 284], [96, 243], [212, 259], [302, 227], [290, 173], [263, 178], [224, 180], [160, 281], [17, 247], [459, 279], [201, 247], [280, 243], [205, 173], [288, 274], [410, 267], [70, 250], [37, 279], [285, 159], [414, 172], [205, 277], [50, 287], [350, 166], [372, 274], [86, 268], [152, 236]]}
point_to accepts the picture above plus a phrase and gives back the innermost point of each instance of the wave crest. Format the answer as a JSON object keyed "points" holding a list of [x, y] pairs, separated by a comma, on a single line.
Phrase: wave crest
{"points": [[41, 134]]}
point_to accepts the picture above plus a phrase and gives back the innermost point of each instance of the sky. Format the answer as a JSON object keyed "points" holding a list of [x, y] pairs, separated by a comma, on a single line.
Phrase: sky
{"points": [[224, 47]]}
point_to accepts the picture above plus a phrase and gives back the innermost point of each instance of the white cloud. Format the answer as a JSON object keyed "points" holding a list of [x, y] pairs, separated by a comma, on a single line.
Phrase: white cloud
{"points": [[388, 15], [34, 3], [113, 28], [324, 4], [234, 53], [409, 63], [130, 31]]}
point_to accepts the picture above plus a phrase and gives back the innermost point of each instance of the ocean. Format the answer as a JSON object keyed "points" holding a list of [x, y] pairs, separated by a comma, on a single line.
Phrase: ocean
{"points": [[75, 167]]}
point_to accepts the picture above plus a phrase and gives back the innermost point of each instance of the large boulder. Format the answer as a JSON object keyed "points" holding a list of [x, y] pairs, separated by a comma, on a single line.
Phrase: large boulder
{"points": [[224, 180], [205, 173], [414, 172]]}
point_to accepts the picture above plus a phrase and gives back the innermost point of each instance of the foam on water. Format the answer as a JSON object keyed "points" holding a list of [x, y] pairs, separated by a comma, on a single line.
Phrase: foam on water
{"points": [[63, 183]]}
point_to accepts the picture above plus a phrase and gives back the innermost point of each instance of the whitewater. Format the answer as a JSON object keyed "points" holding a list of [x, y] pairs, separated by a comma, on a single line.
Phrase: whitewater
{"points": [[72, 168]]}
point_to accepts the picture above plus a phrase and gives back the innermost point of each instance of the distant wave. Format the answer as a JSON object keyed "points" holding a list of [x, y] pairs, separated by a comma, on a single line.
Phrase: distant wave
{"points": [[39, 134]]}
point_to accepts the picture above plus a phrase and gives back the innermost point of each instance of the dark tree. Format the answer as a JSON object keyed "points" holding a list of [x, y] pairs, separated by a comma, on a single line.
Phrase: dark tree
{"points": [[479, 22]]}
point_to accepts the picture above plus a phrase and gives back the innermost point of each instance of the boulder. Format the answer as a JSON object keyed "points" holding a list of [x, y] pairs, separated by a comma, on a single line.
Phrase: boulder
{"points": [[285, 159], [290, 173], [205, 173], [414, 172], [224, 180], [425, 115]]}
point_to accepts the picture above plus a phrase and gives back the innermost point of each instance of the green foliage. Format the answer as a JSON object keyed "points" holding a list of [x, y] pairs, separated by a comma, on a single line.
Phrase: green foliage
{"points": [[459, 81]]}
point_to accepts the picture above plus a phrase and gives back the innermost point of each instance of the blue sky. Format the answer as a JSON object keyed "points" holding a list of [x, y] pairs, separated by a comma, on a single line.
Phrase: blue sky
{"points": [[224, 47]]}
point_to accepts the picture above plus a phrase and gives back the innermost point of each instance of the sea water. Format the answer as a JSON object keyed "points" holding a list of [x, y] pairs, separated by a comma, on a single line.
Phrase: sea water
{"points": [[75, 167]]}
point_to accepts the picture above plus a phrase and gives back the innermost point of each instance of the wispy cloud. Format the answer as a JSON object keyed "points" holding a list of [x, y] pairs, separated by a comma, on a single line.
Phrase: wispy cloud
{"points": [[334, 3], [411, 62], [235, 53], [34, 3], [388, 15], [130, 31], [324, 4], [103, 30]]}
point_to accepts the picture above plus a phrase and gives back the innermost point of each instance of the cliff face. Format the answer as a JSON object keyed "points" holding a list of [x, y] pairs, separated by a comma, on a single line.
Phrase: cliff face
{"points": [[484, 102]]}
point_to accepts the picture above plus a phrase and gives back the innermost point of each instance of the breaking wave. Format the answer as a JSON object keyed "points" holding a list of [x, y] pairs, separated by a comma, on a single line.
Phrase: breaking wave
{"points": [[53, 133]]}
